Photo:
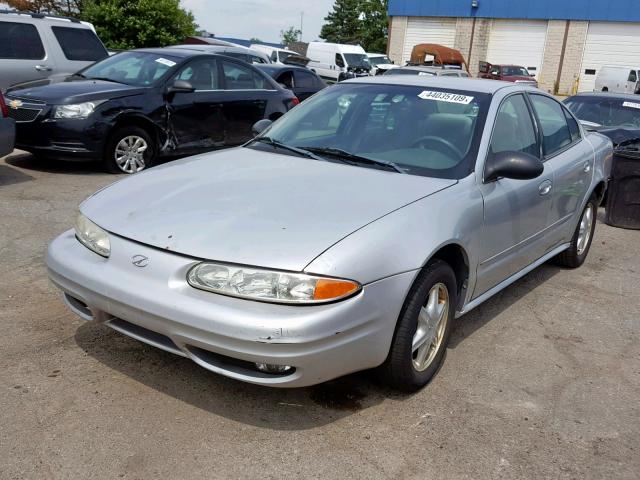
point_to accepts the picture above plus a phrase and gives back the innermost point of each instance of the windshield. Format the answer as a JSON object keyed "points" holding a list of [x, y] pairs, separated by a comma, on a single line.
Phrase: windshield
{"points": [[139, 69], [608, 112], [284, 55], [384, 60], [423, 130], [357, 60], [515, 71]]}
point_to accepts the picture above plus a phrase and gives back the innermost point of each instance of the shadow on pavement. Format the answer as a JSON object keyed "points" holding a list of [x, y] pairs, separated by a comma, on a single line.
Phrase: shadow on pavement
{"points": [[30, 162], [275, 408], [10, 176]]}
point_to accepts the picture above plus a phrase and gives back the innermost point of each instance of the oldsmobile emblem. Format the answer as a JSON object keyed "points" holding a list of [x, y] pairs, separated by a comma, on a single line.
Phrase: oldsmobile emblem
{"points": [[140, 261], [15, 104]]}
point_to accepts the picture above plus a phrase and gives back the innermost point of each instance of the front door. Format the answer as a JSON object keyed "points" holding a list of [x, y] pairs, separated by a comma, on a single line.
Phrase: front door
{"points": [[516, 212], [245, 101], [196, 118]]}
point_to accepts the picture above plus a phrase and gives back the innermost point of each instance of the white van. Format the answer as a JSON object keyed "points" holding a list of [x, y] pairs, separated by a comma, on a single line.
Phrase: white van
{"points": [[334, 62], [277, 55], [618, 79]]}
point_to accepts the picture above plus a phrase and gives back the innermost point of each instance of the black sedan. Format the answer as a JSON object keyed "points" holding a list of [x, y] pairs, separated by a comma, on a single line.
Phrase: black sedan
{"points": [[135, 106], [616, 115], [299, 80]]}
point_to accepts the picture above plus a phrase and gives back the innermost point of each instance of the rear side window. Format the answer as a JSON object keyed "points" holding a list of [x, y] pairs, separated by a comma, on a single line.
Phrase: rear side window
{"points": [[304, 79], [79, 44], [239, 77], [555, 130], [514, 130], [20, 41]]}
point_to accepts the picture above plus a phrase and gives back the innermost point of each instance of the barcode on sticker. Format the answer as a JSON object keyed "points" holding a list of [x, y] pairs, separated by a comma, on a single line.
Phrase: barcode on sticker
{"points": [[165, 61], [446, 97], [631, 105]]}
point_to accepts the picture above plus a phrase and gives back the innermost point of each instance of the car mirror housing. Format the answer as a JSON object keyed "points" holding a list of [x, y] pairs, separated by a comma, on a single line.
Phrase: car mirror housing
{"points": [[180, 86], [260, 126], [514, 165]]}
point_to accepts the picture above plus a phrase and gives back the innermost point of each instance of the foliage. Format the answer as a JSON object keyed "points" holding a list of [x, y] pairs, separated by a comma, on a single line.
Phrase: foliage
{"points": [[142, 23], [290, 35], [358, 21]]}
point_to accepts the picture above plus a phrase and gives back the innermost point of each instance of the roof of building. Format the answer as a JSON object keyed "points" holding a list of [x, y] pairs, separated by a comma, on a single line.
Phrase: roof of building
{"points": [[610, 10]]}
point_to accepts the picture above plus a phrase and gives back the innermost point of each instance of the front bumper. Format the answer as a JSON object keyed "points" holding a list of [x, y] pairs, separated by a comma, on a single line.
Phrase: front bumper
{"points": [[226, 335]]}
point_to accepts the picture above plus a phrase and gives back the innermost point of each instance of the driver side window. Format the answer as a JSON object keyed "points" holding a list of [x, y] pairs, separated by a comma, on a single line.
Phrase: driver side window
{"points": [[514, 130], [339, 60], [202, 74]]}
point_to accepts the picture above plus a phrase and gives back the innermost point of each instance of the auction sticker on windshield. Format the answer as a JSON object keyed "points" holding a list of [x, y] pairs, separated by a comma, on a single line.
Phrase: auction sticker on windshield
{"points": [[445, 97], [631, 105], [166, 62]]}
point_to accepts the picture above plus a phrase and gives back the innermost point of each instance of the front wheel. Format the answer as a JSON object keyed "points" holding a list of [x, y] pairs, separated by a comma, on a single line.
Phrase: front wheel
{"points": [[577, 252], [423, 329], [129, 150]]}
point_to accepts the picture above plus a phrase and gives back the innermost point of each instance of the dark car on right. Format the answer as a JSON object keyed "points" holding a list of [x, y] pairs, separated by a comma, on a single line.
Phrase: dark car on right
{"points": [[607, 112]]}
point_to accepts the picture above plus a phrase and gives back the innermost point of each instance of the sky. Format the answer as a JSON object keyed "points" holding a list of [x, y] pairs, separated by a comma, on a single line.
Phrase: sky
{"points": [[262, 19]]}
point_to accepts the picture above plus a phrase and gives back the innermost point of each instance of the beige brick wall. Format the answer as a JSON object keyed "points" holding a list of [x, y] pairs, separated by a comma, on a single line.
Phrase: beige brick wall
{"points": [[551, 60], [464, 26], [398, 30], [480, 45], [573, 56]]}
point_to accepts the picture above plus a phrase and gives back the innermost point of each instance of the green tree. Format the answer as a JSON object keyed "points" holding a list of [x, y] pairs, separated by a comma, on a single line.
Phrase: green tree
{"points": [[142, 23], [290, 35], [358, 21]]}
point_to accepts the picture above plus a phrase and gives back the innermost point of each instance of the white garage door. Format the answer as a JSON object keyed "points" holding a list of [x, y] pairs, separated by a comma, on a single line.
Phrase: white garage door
{"points": [[517, 42], [608, 43], [428, 30]]}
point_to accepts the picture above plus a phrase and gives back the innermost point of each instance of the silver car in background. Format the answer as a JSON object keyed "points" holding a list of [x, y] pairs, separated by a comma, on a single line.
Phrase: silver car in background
{"points": [[348, 235]]}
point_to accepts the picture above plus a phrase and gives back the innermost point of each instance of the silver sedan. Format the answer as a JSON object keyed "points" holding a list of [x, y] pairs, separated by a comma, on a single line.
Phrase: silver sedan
{"points": [[347, 235]]}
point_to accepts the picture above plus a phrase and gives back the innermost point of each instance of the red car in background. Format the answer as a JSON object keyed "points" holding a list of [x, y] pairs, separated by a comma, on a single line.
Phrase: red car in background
{"points": [[507, 73]]}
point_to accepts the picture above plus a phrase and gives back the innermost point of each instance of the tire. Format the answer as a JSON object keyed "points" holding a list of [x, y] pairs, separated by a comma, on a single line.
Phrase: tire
{"points": [[577, 253], [402, 369], [125, 143]]}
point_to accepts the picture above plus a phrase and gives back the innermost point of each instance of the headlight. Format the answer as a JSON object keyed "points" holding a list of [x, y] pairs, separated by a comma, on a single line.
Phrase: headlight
{"points": [[78, 110], [269, 285], [92, 236]]}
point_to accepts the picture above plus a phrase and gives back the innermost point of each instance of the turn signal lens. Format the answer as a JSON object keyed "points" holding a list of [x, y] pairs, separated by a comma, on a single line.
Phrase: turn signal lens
{"points": [[327, 289]]}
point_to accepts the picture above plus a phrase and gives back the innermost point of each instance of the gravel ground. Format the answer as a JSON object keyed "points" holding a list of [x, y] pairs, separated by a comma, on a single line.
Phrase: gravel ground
{"points": [[542, 381]]}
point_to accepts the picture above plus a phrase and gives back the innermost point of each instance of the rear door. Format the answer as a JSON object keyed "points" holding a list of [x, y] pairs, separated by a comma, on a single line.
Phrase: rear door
{"points": [[246, 94], [571, 159], [197, 119], [23, 55], [516, 212]]}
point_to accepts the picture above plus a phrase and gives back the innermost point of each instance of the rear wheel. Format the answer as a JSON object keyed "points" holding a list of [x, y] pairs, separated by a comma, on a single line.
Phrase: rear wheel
{"points": [[577, 252], [130, 149], [423, 329]]}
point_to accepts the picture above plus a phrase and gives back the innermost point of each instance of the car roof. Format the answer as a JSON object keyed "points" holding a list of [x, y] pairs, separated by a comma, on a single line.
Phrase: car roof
{"points": [[615, 96], [175, 52], [455, 83]]}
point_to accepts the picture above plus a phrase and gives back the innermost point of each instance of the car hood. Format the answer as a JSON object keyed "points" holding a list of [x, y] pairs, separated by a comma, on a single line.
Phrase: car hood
{"points": [[252, 207], [522, 78], [76, 91]]}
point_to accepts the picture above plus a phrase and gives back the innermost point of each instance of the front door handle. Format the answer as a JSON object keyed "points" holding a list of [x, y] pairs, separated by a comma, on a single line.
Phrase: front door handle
{"points": [[545, 187], [42, 68], [587, 168]]}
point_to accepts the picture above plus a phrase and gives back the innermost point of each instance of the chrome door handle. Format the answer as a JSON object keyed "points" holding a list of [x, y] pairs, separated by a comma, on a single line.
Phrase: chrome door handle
{"points": [[587, 168], [42, 68], [544, 188]]}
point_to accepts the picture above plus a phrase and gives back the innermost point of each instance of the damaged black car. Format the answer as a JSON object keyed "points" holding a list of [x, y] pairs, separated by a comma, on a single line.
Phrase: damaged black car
{"points": [[136, 106]]}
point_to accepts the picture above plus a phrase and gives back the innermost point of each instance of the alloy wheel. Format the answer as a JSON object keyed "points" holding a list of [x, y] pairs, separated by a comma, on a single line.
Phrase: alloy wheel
{"points": [[432, 323], [129, 154]]}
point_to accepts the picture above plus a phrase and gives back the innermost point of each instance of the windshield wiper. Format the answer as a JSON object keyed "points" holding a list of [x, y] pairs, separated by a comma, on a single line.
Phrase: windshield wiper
{"points": [[353, 158], [284, 146], [104, 79]]}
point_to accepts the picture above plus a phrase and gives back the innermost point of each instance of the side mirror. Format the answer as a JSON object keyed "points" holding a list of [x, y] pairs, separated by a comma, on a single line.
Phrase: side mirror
{"points": [[514, 165], [532, 74], [260, 126], [180, 86], [590, 126]]}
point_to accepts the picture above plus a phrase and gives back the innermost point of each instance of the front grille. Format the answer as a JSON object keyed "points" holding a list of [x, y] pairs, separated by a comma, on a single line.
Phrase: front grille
{"points": [[24, 114]]}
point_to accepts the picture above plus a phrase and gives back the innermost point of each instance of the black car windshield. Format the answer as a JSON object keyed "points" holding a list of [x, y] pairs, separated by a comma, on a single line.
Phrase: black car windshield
{"points": [[357, 60], [425, 131], [606, 111], [135, 68], [515, 71], [383, 60]]}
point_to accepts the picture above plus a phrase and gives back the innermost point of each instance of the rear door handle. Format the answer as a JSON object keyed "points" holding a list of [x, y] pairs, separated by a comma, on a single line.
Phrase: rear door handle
{"points": [[587, 167], [42, 68], [545, 187]]}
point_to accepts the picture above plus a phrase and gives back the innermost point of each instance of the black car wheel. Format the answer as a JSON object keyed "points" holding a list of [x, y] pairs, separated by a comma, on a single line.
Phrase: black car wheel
{"points": [[130, 149], [423, 329]]}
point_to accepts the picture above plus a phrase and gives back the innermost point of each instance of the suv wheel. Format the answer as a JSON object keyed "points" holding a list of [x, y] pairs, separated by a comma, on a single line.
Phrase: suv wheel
{"points": [[423, 329], [129, 150]]}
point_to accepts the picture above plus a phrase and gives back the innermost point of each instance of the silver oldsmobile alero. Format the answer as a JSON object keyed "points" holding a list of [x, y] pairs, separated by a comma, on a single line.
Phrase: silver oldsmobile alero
{"points": [[348, 235]]}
